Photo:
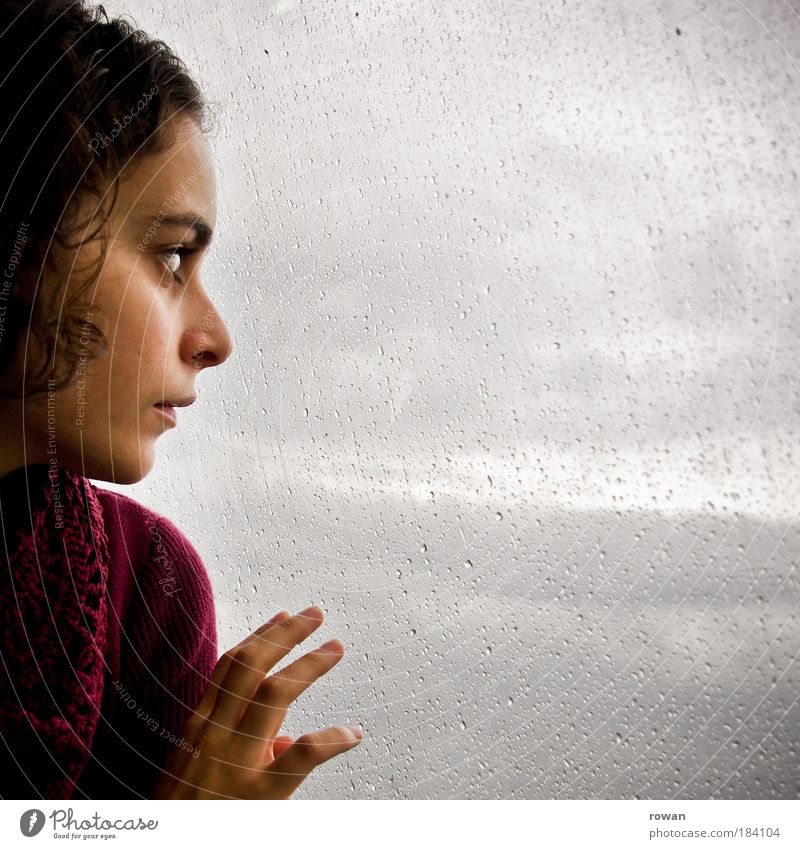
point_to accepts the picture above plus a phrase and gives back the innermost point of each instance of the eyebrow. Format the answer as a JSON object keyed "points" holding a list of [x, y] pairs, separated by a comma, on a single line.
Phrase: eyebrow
{"points": [[203, 233]]}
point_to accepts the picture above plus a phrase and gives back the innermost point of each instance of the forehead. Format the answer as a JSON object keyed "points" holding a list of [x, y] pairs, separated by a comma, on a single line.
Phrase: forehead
{"points": [[180, 178]]}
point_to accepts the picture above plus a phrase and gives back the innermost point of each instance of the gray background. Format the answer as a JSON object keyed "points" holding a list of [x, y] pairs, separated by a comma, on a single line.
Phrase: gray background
{"points": [[516, 389]]}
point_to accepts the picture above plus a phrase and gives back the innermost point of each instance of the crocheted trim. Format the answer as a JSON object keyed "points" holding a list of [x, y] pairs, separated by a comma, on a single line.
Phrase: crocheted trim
{"points": [[53, 637]]}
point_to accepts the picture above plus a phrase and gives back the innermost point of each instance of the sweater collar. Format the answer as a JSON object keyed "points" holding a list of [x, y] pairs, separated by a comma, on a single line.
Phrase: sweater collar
{"points": [[53, 578]]}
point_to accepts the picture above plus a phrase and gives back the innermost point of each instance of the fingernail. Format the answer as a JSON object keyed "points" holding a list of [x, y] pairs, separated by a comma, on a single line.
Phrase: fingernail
{"points": [[312, 612], [331, 645], [355, 731]]}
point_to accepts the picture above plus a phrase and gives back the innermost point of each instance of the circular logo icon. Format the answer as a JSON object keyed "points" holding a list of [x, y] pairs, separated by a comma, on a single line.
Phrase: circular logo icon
{"points": [[31, 822]]}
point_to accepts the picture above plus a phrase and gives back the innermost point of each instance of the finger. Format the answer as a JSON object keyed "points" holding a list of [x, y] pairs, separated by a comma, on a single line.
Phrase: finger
{"points": [[279, 616], [192, 730], [264, 715], [281, 744], [251, 661], [207, 702], [288, 772]]}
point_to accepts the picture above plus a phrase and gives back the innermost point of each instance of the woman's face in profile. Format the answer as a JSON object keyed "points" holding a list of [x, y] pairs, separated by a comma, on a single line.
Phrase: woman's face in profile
{"points": [[160, 326]]}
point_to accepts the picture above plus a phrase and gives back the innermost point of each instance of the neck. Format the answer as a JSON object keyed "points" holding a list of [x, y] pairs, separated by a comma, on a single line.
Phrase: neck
{"points": [[15, 449]]}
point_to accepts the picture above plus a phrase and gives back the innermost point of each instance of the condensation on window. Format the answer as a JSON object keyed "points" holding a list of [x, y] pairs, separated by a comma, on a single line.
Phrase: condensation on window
{"points": [[515, 391]]}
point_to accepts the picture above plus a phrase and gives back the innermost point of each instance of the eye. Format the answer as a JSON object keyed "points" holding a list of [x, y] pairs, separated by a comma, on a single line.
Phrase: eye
{"points": [[173, 262], [173, 258]]}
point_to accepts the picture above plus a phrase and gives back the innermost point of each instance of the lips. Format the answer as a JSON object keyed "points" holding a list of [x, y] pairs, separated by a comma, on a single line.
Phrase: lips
{"points": [[167, 408], [183, 402], [168, 411]]}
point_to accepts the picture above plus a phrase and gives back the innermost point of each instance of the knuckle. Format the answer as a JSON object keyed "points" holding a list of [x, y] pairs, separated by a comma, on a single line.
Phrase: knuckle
{"points": [[310, 746], [343, 735], [288, 624], [246, 656], [283, 614], [321, 745], [286, 633], [225, 660], [195, 724], [270, 690], [323, 661], [208, 738]]}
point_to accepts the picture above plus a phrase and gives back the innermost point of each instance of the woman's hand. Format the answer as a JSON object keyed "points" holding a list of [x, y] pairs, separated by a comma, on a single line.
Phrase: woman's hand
{"points": [[237, 753]]}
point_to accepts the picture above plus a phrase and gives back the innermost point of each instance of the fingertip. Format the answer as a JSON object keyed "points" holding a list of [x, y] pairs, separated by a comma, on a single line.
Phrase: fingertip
{"points": [[351, 733], [314, 612], [278, 617]]}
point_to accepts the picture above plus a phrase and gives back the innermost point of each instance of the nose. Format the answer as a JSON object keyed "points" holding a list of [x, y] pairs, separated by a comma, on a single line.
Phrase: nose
{"points": [[207, 341]]}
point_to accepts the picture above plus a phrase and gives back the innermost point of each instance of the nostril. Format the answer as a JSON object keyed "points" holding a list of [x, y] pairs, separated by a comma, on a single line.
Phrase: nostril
{"points": [[223, 351], [207, 348], [206, 358]]}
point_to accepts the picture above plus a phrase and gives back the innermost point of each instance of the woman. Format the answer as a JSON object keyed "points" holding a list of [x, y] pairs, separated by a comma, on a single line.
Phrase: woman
{"points": [[110, 685]]}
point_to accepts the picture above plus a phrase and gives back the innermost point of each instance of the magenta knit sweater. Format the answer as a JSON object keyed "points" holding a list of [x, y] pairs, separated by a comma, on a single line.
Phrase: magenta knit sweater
{"points": [[161, 647]]}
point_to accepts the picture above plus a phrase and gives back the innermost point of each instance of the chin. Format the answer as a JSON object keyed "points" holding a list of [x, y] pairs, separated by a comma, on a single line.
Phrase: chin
{"points": [[127, 475], [123, 467], [134, 469]]}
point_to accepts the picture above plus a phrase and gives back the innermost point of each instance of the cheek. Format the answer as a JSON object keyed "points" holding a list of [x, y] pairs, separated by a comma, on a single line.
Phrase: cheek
{"points": [[139, 326], [135, 366], [142, 335]]}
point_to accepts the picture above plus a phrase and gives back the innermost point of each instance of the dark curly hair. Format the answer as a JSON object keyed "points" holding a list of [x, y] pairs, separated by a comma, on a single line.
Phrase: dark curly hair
{"points": [[82, 96]]}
